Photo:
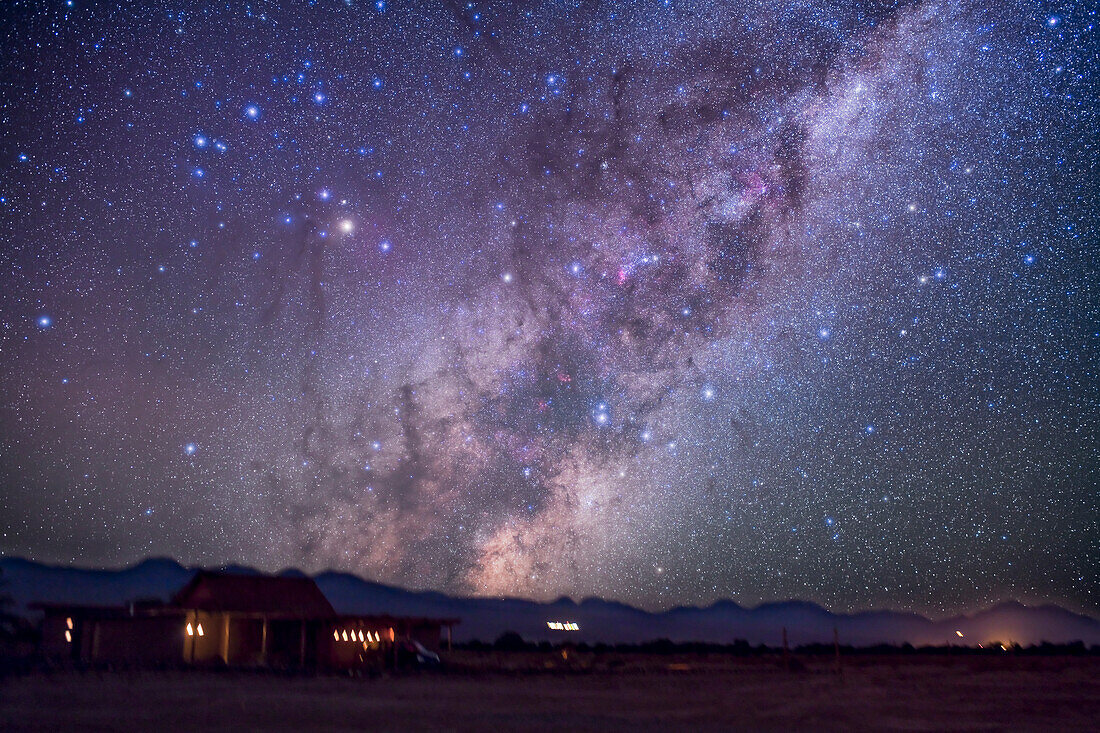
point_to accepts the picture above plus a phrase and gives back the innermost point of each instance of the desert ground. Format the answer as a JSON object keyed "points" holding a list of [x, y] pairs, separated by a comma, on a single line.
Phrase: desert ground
{"points": [[531, 692]]}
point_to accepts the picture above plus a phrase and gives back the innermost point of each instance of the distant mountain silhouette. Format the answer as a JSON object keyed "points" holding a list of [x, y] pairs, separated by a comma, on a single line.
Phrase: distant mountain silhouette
{"points": [[599, 620]]}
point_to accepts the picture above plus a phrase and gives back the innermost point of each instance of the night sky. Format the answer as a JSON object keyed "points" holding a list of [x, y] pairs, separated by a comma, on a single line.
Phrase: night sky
{"points": [[658, 301]]}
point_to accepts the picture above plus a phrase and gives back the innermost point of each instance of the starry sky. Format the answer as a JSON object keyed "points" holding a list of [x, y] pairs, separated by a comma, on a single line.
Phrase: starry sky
{"points": [[662, 302]]}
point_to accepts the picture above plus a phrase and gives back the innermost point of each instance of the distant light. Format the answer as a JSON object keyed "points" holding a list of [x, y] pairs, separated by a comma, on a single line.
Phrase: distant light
{"points": [[69, 622], [68, 636], [563, 625], [335, 635], [344, 635], [958, 634]]}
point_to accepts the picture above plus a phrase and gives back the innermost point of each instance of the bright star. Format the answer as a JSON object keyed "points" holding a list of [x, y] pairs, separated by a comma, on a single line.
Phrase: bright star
{"points": [[44, 321], [190, 449]]}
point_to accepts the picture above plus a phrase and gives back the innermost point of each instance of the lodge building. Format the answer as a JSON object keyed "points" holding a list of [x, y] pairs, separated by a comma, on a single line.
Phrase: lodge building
{"points": [[235, 620]]}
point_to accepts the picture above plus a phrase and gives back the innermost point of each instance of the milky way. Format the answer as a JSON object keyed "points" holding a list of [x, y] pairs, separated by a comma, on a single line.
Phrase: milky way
{"points": [[661, 302]]}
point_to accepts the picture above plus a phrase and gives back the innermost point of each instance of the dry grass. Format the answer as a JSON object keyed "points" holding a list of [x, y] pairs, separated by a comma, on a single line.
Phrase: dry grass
{"points": [[880, 693]]}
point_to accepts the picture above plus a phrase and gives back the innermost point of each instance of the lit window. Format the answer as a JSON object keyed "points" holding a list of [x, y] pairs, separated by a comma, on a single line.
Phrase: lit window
{"points": [[336, 635], [360, 635], [69, 623], [68, 636], [199, 629], [190, 629], [345, 634]]}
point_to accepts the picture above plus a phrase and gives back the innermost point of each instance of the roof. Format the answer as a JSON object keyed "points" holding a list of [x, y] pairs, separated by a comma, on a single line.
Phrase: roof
{"points": [[384, 619], [258, 594]]}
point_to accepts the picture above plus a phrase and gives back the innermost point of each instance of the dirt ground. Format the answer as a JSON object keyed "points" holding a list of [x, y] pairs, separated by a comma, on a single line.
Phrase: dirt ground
{"points": [[973, 694]]}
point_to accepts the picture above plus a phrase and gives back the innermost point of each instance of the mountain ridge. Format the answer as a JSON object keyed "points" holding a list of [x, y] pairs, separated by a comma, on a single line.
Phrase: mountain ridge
{"points": [[600, 620]]}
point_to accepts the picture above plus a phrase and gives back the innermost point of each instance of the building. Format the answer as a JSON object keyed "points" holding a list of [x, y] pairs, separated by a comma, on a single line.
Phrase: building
{"points": [[232, 620]]}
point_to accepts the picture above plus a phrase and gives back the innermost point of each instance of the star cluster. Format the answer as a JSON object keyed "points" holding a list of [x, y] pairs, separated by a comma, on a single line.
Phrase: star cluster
{"points": [[657, 301]]}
